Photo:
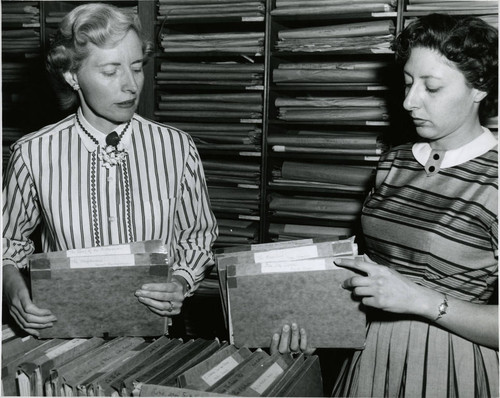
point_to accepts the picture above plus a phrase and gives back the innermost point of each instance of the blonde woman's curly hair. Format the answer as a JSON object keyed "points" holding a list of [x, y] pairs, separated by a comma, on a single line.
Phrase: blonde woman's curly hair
{"points": [[99, 24]]}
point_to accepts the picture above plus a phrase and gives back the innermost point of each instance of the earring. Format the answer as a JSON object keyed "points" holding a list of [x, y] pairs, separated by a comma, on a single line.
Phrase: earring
{"points": [[76, 87]]}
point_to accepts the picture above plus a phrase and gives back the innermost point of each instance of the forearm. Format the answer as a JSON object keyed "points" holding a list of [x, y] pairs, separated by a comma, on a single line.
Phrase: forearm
{"points": [[195, 226], [13, 281], [475, 322]]}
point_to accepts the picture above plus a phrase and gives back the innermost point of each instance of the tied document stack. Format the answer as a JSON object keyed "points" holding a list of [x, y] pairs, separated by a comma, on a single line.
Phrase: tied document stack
{"points": [[91, 291], [266, 286]]}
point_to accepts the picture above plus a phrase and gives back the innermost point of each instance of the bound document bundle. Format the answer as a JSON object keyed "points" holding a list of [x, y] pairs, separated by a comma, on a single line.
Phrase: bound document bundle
{"points": [[91, 291], [266, 286]]}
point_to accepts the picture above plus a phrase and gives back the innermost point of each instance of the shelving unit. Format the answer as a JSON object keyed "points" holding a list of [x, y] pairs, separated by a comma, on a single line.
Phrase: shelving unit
{"points": [[328, 67], [209, 81], [252, 90]]}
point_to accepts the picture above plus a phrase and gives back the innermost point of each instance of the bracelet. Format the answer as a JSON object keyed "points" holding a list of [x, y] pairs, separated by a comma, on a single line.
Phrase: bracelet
{"points": [[443, 307]]}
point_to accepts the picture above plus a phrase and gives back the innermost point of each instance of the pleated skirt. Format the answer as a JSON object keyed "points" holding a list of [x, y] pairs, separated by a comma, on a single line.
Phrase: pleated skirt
{"points": [[412, 358]]}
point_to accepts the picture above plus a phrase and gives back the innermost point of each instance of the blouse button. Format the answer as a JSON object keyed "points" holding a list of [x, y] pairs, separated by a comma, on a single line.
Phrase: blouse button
{"points": [[432, 168], [111, 219], [436, 156]]}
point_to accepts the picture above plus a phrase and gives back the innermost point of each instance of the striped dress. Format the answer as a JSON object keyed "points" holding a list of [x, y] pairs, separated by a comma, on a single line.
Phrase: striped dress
{"points": [[438, 226], [56, 178]]}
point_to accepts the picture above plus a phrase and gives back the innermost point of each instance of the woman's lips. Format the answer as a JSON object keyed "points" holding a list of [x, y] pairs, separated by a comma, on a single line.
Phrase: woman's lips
{"points": [[126, 104]]}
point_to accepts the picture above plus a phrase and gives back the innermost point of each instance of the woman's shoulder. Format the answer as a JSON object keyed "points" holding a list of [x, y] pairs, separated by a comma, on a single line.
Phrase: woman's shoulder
{"points": [[402, 151], [160, 128], [46, 131]]}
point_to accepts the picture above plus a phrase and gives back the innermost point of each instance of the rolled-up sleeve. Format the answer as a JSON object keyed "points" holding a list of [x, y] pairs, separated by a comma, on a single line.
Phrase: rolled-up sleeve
{"points": [[195, 227], [21, 212]]}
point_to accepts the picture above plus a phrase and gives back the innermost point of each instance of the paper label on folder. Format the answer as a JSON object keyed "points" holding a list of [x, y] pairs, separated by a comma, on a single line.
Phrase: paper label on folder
{"points": [[58, 350], [119, 260], [316, 264], [100, 251], [217, 372], [295, 253], [268, 377]]}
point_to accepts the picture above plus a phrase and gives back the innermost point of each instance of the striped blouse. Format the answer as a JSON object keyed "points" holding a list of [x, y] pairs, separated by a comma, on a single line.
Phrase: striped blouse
{"points": [[56, 178], [434, 217]]}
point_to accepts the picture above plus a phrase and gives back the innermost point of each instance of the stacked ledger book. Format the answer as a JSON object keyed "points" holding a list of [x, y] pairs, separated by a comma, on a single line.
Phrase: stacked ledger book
{"points": [[135, 366], [91, 290], [266, 286]]}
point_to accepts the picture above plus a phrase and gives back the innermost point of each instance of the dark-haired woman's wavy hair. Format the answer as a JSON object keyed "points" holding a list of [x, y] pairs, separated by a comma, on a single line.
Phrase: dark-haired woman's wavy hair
{"points": [[95, 23], [469, 43]]}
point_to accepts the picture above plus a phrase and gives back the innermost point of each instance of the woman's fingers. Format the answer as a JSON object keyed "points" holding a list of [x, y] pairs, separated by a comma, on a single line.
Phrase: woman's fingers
{"points": [[285, 340], [304, 344], [275, 343], [291, 339], [295, 338]]}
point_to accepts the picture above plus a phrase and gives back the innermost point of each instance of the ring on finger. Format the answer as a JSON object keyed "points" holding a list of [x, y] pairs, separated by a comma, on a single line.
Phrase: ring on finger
{"points": [[171, 306]]}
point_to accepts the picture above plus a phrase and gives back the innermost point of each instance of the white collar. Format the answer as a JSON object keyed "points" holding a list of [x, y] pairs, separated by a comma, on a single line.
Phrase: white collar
{"points": [[477, 147], [98, 135]]}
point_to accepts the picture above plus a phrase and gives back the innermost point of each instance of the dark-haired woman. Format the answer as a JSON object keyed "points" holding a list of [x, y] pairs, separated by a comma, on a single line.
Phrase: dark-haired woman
{"points": [[104, 175], [431, 229]]}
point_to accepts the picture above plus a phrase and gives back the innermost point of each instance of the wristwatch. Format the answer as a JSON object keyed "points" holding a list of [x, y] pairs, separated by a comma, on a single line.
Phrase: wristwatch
{"points": [[443, 307]]}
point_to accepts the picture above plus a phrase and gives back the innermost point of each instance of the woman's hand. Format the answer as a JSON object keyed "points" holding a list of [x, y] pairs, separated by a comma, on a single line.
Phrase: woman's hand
{"points": [[26, 314], [381, 287], [164, 299], [291, 339]]}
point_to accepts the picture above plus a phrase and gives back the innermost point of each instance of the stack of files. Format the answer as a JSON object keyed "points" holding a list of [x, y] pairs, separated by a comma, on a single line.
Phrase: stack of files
{"points": [[245, 43], [231, 107], [288, 232], [211, 74], [19, 351], [209, 287], [296, 281], [235, 371], [18, 15], [491, 19], [335, 74], [362, 110], [24, 42], [14, 71], [223, 136], [329, 142], [91, 291], [231, 173], [357, 37], [133, 366], [20, 37], [331, 7], [161, 367], [234, 232], [32, 374], [486, 6], [492, 123], [86, 374], [236, 201], [55, 17], [306, 207], [334, 177], [176, 10]]}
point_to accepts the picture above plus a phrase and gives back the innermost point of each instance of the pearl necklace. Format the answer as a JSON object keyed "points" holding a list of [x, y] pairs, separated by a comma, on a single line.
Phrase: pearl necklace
{"points": [[114, 151]]}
